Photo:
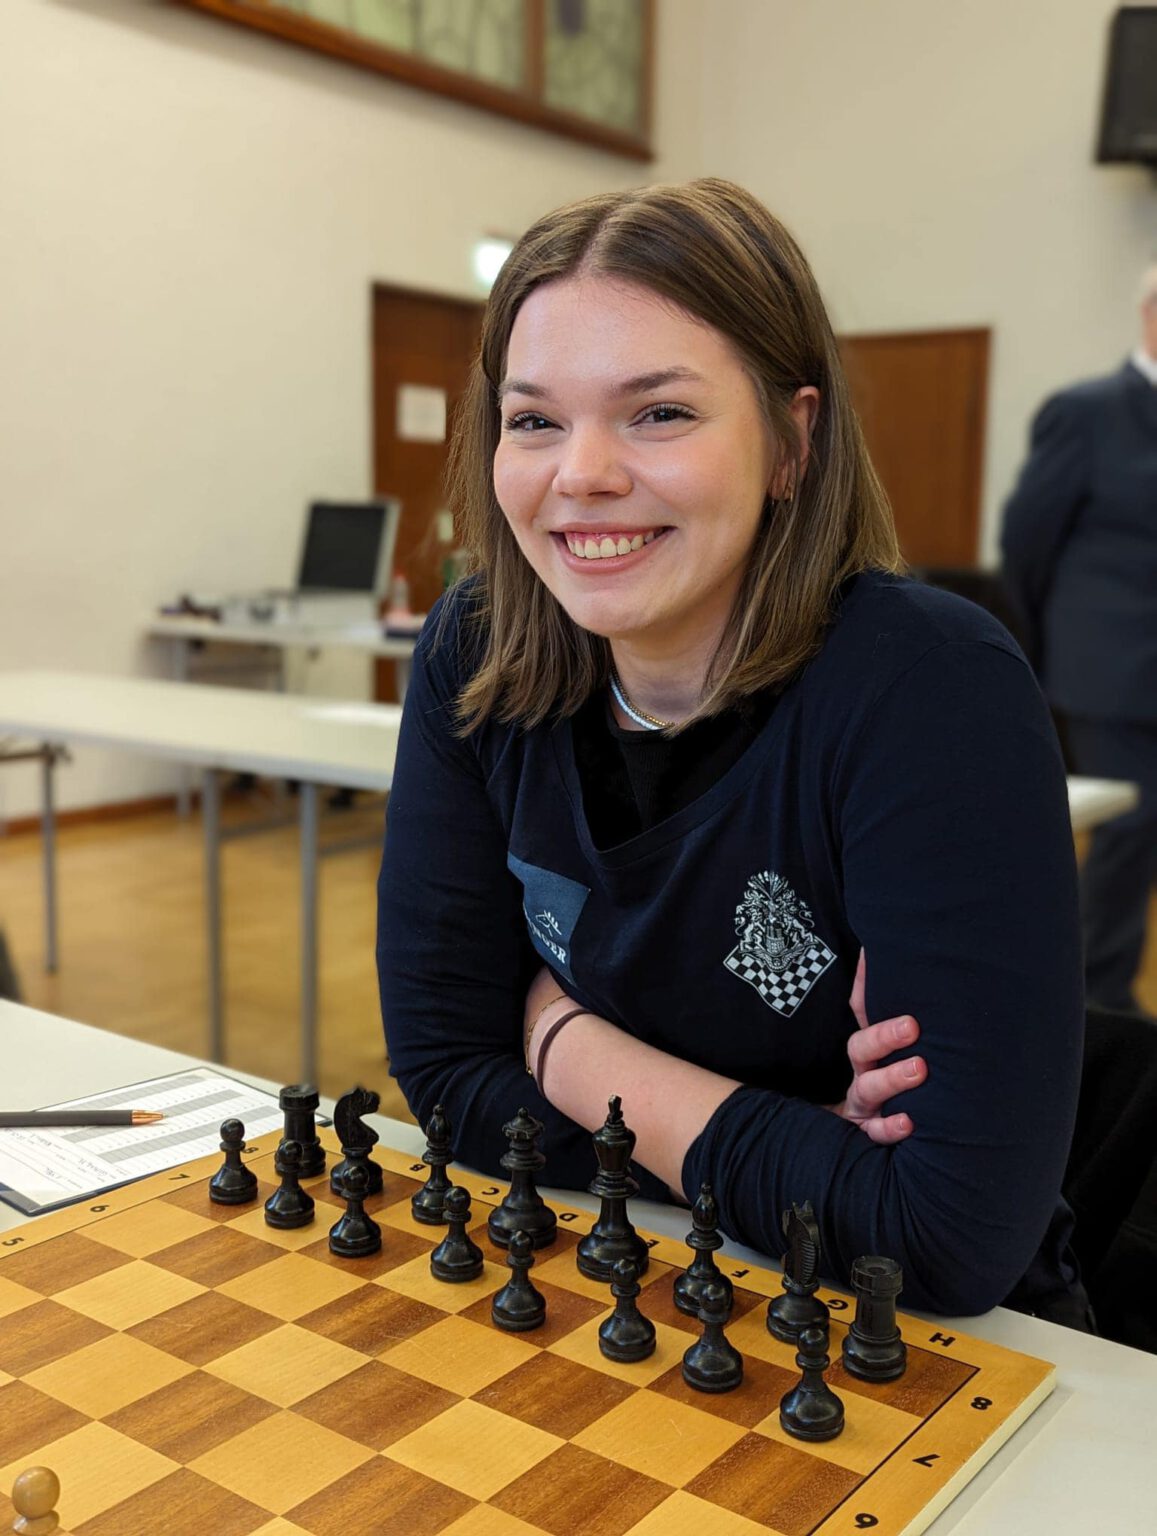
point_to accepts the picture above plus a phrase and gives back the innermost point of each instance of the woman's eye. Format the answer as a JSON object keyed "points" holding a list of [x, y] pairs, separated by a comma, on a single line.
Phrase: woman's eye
{"points": [[527, 421], [659, 415]]}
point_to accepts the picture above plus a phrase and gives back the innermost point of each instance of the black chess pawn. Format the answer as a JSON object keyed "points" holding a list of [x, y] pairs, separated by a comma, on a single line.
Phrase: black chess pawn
{"points": [[355, 1235], [873, 1349], [233, 1183], [519, 1306], [704, 1238], [289, 1206], [457, 1257], [428, 1203], [712, 1363], [799, 1307], [612, 1237], [811, 1410], [357, 1138], [522, 1209], [626, 1336], [299, 1104]]}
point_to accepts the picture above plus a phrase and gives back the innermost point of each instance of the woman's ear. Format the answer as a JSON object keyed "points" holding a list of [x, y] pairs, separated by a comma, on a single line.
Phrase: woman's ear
{"points": [[804, 408]]}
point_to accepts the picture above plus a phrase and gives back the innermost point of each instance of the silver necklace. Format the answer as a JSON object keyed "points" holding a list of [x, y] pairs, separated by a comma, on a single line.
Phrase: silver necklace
{"points": [[639, 716]]}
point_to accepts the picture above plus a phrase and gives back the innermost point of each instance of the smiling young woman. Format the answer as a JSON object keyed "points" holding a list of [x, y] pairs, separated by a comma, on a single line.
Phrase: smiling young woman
{"points": [[700, 802]]}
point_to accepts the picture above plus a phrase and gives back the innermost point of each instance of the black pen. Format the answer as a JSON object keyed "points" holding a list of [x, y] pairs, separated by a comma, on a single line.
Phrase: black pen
{"points": [[38, 1119]]}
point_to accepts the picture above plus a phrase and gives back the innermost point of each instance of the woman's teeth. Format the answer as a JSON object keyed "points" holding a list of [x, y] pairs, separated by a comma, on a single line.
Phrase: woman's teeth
{"points": [[610, 544]]}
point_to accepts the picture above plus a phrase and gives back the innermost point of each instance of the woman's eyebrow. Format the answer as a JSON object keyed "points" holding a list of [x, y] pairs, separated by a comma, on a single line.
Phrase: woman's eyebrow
{"points": [[639, 385]]}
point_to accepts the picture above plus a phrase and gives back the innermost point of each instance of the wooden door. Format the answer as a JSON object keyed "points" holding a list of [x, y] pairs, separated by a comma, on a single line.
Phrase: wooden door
{"points": [[921, 398], [421, 342]]}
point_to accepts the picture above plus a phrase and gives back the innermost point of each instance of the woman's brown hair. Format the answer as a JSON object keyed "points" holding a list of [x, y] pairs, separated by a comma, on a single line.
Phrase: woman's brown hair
{"points": [[715, 251]]}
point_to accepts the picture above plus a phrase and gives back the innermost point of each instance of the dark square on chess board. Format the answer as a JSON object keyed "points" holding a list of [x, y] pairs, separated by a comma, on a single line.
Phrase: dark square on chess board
{"points": [[182, 1367]]}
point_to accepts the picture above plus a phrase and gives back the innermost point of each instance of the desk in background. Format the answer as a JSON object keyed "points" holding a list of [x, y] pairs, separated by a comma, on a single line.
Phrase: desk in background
{"points": [[314, 741], [1083, 1461]]}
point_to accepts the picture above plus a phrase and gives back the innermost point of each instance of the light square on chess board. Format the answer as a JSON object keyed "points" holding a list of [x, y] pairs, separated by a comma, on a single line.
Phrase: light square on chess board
{"points": [[184, 1367]]}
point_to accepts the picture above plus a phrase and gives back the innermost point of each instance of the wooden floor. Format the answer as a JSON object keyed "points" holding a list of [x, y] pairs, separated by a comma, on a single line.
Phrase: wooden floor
{"points": [[133, 945], [132, 939]]}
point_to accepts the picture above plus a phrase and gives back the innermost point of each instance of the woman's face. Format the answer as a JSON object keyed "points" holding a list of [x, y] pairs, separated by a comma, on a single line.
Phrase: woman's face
{"points": [[633, 463]]}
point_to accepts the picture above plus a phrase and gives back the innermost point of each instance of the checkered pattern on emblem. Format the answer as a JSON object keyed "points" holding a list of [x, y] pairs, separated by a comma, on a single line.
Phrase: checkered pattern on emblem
{"points": [[782, 990]]}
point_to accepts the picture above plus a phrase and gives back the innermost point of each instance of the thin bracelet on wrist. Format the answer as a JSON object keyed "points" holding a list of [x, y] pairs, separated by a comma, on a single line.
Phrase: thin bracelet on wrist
{"points": [[529, 1031], [539, 1069]]}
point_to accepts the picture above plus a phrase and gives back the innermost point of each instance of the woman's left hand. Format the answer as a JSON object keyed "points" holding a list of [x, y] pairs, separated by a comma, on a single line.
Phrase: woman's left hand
{"points": [[873, 1085]]}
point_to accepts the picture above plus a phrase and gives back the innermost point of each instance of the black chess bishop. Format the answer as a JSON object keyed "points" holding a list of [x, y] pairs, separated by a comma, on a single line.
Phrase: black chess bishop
{"points": [[428, 1204], [704, 1238]]}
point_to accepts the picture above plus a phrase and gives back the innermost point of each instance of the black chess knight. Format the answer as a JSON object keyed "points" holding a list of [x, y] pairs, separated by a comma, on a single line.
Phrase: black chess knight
{"points": [[799, 1307], [357, 1138]]}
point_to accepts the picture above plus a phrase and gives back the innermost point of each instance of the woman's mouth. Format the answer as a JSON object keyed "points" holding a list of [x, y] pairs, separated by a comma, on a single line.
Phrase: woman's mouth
{"points": [[604, 545]]}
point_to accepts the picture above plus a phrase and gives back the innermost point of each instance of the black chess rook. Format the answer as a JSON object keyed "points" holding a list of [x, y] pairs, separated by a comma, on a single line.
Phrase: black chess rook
{"points": [[355, 1235], [233, 1183], [519, 1306], [299, 1104], [704, 1238], [428, 1203], [873, 1349], [289, 1206], [457, 1257], [612, 1237], [626, 1336], [811, 1410], [799, 1307]]}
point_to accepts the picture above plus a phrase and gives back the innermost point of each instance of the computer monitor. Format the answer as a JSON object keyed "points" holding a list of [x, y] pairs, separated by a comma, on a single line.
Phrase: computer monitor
{"points": [[349, 546]]}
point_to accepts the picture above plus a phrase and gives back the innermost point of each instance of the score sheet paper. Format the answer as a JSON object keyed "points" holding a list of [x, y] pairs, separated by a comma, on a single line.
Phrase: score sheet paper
{"points": [[43, 1169]]}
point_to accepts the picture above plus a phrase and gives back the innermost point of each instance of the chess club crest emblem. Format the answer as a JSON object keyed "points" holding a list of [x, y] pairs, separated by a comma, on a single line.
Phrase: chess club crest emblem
{"points": [[779, 953]]}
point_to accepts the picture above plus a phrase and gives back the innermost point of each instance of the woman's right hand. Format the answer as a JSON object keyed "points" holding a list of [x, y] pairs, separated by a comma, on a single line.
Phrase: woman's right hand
{"points": [[872, 1085]]}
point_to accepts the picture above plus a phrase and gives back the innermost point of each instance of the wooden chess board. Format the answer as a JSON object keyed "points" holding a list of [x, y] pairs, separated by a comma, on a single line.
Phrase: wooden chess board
{"points": [[184, 1368]]}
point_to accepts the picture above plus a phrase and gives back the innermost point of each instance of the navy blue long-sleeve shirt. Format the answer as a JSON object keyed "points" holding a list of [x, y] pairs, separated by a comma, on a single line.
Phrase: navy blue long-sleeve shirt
{"points": [[905, 796]]}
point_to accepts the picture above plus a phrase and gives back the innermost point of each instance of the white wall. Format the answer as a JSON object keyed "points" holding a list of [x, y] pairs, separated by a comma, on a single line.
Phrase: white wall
{"points": [[934, 158], [191, 219]]}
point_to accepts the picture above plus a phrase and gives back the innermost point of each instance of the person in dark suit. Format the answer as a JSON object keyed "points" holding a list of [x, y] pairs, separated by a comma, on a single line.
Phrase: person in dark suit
{"points": [[1080, 561]]}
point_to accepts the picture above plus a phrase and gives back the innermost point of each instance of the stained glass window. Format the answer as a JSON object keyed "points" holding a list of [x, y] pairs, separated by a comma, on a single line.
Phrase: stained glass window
{"points": [[578, 67]]}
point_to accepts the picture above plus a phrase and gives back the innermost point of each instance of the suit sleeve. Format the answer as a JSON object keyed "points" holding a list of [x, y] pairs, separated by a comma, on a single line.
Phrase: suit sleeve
{"points": [[959, 883], [1038, 516], [454, 958]]}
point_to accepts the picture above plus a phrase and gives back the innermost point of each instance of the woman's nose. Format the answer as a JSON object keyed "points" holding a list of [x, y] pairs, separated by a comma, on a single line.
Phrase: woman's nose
{"points": [[591, 464]]}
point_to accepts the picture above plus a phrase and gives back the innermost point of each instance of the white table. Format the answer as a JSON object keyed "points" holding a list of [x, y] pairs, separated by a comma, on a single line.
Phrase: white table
{"points": [[185, 634], [1083, 1462], [316, 742]]}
